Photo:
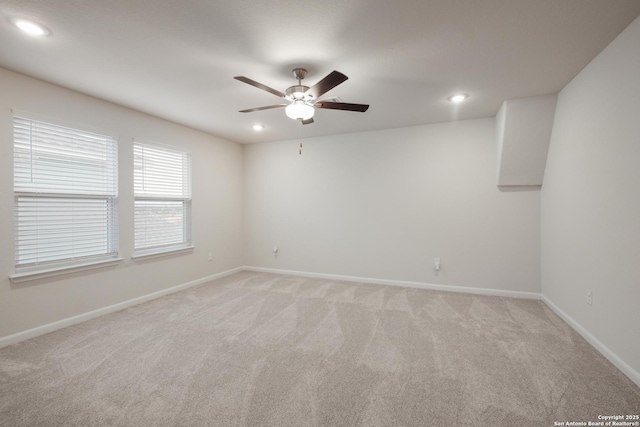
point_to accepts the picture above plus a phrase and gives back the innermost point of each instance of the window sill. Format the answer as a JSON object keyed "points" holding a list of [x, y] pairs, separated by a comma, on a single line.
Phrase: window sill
{"points": [[26, 276], [143, 255]]}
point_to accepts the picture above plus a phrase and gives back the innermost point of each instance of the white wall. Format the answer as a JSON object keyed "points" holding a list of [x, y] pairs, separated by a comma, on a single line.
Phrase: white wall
{"points": [[591, 199], [383, 204], [217, 209]]}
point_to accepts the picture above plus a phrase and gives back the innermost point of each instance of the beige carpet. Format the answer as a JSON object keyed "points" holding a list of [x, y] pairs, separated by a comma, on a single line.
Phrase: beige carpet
{"points": [[268, 350]]}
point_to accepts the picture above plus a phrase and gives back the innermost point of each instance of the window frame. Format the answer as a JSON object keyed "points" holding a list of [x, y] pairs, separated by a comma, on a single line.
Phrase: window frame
{"points": [[29, 195], [185, 199]]}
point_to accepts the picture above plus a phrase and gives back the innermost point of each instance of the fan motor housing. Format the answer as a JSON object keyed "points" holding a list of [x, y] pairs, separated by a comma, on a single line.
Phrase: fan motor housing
{"points": [[296, 92]]}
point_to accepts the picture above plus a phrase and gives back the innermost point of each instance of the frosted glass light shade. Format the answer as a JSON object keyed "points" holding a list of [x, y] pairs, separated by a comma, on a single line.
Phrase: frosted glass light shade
{"points": [[298, 110]]}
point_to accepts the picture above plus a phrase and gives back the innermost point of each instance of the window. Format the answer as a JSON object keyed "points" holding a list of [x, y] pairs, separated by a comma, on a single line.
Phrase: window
{"points": [[66, 196], [162, 190]]}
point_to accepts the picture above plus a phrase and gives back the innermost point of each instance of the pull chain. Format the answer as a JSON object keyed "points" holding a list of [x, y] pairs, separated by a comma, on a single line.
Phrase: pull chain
{"points": [[300, 137]]}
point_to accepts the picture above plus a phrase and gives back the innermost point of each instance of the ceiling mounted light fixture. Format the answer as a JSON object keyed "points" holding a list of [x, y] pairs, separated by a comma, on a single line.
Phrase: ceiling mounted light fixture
{"points": [[458, 97], [257, 127], [303, 100], [30, 27], [299, 110]]}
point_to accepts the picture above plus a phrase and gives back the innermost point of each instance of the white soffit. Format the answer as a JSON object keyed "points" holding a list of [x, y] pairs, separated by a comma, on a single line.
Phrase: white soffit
{"points": [[523, 133]]}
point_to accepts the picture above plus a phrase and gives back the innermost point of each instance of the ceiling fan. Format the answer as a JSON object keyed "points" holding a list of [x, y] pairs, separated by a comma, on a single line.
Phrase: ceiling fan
{"points": [[303, 100]]}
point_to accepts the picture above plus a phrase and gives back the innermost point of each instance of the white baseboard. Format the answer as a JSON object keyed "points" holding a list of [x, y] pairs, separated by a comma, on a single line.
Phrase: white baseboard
{"points": [[44, 329], [419, 285], [604, 350]]}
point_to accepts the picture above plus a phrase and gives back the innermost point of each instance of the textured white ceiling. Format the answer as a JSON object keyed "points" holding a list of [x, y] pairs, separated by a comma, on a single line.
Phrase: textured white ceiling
{"points": [[177, 59]]}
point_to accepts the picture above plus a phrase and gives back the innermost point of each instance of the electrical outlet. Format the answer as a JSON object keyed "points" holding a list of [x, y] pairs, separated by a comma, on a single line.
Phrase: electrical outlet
{"points": [[589, 297], [210, 257], [436, 264]]}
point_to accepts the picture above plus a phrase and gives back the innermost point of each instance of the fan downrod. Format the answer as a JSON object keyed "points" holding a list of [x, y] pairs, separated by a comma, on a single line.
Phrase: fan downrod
{"points": [[298, 91]]}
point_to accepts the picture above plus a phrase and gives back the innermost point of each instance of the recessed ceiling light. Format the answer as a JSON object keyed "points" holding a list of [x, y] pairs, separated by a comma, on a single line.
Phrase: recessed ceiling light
{"points": [[458, 97], [31, 27], [257, 128]]}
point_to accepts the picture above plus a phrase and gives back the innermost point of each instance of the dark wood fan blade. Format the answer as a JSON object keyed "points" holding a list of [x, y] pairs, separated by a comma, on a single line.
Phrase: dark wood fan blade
{"points": [[259, 86], [268, 107], [332, 80], [342, 106], [308, 121]]}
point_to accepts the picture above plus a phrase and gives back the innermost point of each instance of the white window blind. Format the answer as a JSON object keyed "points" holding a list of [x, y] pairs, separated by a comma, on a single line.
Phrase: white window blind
{"points": [[65, 191], [162, 190]]}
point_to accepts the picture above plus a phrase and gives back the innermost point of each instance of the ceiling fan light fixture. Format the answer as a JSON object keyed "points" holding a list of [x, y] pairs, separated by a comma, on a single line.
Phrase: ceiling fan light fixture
{"points": [[299, 110], [303, 100]]}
